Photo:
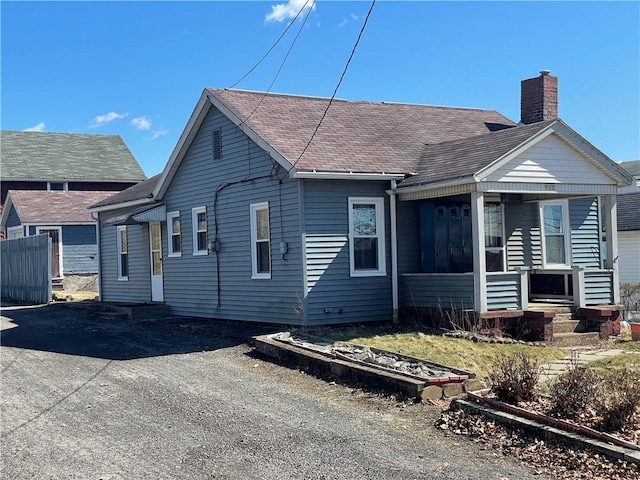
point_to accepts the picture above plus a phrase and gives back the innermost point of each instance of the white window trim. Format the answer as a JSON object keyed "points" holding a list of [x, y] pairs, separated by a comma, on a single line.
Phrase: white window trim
{"points": [[194, 228], [170, 233], [254, 208], [65, 187], [15, 232], [503, 248], [119, 230], [380, 235], [566, 227]]}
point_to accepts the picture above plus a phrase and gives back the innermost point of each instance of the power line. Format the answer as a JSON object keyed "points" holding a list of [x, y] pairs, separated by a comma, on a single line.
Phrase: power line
{"points": [[335, 91], [276, 42], [304, 22]]}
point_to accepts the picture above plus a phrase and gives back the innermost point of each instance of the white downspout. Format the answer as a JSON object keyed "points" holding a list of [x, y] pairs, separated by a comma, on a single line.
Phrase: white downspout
{"points": [[394, 252], [99, 256]]}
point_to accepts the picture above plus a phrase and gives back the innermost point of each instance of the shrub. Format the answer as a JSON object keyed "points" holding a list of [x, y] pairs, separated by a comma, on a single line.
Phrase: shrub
{"points": [[619, 399], [573, 391], [514, 378]]}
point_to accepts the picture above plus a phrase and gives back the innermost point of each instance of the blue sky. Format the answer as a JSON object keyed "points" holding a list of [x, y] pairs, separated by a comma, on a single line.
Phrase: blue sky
{"points": [[137, 69]]}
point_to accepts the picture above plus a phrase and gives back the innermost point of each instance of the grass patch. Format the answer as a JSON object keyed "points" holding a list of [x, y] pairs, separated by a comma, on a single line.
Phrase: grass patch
{"points": [[478, 358], [629, 361]]}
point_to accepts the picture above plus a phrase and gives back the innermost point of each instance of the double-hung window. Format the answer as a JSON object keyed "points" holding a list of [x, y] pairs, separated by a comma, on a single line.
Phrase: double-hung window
{"points": [[494, 237], [123, 253], [199, 225], [366, 237], [175, 234], [260, 241], [556, 232]]}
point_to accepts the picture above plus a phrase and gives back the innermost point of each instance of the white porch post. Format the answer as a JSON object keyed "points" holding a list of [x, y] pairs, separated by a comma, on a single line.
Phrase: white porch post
{"points": [[394, 252], [611, 228], [479, 261]]}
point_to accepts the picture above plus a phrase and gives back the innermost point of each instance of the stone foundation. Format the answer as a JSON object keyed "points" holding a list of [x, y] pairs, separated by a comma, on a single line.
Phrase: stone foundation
{"points": [[81, 283]]}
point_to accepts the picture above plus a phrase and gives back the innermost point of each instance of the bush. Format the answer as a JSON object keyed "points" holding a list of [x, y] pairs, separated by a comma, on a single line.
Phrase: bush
{"points": [[514, 378], [619, 399], [573, 391]]}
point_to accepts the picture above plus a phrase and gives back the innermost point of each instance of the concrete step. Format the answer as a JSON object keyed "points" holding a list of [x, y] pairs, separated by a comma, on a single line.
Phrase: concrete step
{"points": [[117, 316], [574, 339], [563, 316], [567, 326]]}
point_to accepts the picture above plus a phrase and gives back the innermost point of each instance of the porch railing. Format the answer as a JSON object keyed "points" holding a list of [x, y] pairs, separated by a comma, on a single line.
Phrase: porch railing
{"points": [[507, 290], [438, 290], [592, 287]]}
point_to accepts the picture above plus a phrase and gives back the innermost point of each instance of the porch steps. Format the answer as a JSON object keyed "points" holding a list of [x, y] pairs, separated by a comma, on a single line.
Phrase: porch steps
{"points": [[565, 326], [123, 311], [574, 339]]}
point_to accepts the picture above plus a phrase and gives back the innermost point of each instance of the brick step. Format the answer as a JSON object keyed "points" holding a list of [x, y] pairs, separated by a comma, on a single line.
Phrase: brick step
{"points": [[568, 326], [575, 339]]}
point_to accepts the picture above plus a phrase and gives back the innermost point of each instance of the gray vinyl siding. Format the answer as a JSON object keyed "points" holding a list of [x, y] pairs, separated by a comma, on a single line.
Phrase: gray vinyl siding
{"points": [[585, 243], [408, 232], [522, 227], [598, 287], [79, 249], [138, 287], [191, 282], [333, 296], [438, 290], [12, 220], [503, 291]]}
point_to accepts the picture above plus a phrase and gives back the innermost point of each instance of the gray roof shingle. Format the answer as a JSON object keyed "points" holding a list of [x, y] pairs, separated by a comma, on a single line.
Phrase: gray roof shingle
{"points": [[67, 157], [362, 137], [633, 167], [139, 191], [37, 206], [471, 154], [628, 211]]}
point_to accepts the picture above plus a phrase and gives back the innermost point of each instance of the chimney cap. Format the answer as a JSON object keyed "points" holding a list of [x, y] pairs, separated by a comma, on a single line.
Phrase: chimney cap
{"points": [[544, 73]]}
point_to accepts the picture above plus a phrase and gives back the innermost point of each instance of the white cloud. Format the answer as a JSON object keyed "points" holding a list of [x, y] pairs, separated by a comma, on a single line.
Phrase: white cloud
{"points": [[36, 128], [159, 133], [141, 123], [285, 11], [347, 20], [104, 119]]}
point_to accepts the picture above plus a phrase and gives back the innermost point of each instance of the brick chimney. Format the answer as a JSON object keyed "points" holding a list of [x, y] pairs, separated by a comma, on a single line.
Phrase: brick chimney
{"points": [[539, 98]]}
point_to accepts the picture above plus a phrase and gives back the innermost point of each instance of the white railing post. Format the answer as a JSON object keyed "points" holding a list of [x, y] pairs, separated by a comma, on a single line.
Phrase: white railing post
{"points": [[579, 290], [524, 287]]}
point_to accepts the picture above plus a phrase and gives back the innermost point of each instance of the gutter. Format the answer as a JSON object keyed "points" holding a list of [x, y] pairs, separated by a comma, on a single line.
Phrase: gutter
{"points": [[348, 176]]}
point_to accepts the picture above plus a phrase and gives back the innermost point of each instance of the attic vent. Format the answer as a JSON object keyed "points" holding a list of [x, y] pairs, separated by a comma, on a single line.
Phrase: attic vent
{"points": [[217, 144]]}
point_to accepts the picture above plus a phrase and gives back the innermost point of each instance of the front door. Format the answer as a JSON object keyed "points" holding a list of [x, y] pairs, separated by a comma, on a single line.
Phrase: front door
{"points": [[56, 251], [155, 245]]}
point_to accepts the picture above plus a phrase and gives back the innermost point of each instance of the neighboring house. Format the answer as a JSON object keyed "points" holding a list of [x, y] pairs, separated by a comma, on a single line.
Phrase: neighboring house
{"points": [[259, 217], [49, 180], [629, 226]]}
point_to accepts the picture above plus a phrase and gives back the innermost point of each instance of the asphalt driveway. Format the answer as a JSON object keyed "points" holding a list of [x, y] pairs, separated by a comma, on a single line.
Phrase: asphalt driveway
{"points": [[83, 398]]}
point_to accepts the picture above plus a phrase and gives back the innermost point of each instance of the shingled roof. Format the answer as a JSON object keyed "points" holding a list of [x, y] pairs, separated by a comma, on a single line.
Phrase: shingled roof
{"points": [[359, 137], [67, 157], [139, 191], [471, 154], [628, 211], [38, 206]]}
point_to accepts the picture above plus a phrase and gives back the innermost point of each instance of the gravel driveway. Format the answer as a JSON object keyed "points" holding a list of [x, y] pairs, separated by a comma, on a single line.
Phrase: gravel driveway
{"points": [[84, 398]]}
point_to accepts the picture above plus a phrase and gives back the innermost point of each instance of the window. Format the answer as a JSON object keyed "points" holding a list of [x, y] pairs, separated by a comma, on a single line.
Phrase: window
{"points": [[199, 223], [123, 255], [493, 237], [57, 186], [260, 241], [555, 233], [173, 225], [217, 144], [366, 237]]}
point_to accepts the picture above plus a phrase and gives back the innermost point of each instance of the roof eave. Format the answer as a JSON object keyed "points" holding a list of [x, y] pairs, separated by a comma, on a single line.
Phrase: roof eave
{"points": [[348, 176], [116, 206]]}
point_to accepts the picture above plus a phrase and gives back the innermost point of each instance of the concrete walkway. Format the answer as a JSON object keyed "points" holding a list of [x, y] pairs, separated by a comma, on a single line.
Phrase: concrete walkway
{"points": [[585, 355]]}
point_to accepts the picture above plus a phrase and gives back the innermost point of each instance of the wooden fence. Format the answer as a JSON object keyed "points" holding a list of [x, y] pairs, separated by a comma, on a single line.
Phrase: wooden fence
{"points": [[25, 265]]}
